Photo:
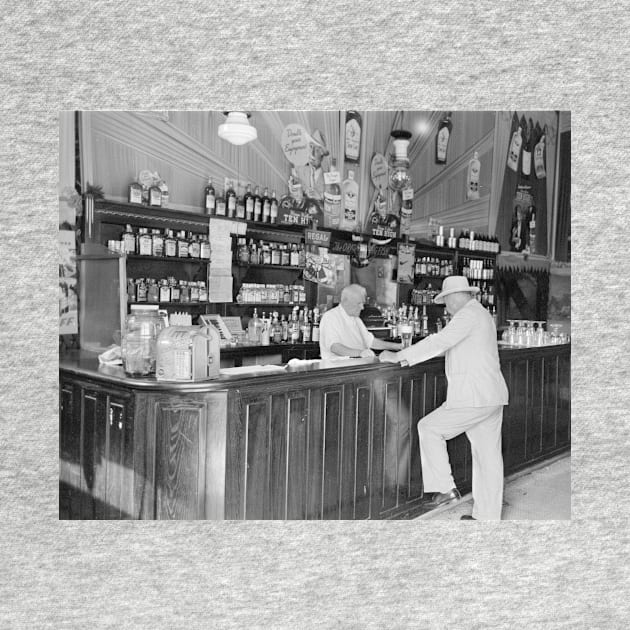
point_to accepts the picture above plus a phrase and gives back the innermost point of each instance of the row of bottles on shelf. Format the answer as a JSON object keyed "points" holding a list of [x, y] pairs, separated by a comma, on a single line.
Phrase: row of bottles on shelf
{"points": [[255, 293], [410, 317], [270, 253], [302, 326], [251, 206], [433, 266], [167, 243], [476, 269], [486, 295], [166, 290], [425, 296], [468, 239], [396, 319]]}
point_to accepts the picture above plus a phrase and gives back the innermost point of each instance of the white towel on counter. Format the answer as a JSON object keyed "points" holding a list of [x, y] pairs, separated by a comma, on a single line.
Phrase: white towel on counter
{"points": [[111, 356]]}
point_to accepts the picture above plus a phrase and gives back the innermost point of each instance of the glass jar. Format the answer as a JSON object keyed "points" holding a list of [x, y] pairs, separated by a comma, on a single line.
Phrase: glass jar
{"points": [[142, 327]]}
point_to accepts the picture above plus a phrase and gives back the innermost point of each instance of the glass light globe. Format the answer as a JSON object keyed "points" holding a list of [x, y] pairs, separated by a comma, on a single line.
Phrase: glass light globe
{"points": [[399, 178]]}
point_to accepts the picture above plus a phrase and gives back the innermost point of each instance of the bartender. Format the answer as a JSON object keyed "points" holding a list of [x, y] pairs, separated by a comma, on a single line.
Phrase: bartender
{"points": [[343, 334]]}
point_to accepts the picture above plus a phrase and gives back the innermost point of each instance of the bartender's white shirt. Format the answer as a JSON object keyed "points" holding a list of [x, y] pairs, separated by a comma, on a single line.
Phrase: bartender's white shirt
{"points": [[339, 327]]}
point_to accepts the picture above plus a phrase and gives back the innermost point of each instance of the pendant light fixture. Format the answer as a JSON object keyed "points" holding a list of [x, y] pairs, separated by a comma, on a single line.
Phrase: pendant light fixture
{"points": [[399, 177], [236, 129]]}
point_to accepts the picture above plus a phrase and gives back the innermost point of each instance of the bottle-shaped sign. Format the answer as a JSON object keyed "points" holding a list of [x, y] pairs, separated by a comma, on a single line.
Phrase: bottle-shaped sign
{"points": [[442, 138], [155, 196], [266, 206], [332, 197], [135, 193], [230, 199], [526, 162], [209, 198], [514, 151], [273, 208], [350, 202], [248, 199], [353, 136], [539, 158], [472, 181], [257, 204]]}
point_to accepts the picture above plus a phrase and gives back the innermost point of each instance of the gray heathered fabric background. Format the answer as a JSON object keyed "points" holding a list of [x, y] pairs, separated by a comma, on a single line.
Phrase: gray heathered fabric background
{"points": [[328, 55]]}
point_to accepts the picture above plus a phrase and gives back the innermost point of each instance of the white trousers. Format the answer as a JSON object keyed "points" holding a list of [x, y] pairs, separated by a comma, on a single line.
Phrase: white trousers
{"points": [[483, 428]]}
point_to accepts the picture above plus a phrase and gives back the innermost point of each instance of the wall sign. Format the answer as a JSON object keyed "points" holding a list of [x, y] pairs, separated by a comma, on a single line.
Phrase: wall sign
{"points": [[294, 143], [319, 238]]}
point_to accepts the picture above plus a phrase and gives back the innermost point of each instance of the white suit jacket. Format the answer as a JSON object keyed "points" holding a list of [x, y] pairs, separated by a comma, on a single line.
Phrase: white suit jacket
{"points": [[473, 371]]}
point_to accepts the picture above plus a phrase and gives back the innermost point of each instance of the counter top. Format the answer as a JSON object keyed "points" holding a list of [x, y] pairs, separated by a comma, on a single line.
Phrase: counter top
{"points": [[85, 364]]}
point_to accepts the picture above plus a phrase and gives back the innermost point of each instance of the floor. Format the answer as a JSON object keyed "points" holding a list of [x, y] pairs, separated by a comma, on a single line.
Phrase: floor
{"points": [[541, 492]]}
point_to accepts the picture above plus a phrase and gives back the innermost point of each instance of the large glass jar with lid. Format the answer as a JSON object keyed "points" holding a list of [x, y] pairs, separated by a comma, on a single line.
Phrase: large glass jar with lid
{"points": [[142, 327]]}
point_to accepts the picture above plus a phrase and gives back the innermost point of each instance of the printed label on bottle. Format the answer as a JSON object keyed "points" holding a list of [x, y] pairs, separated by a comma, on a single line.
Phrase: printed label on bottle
{"points": [[135, 194], [539, 159], [210, 202], [332, 177]]}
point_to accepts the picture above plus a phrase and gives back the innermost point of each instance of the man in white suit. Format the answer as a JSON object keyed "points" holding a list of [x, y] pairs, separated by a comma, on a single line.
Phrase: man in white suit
{"points": [[474, 401]]}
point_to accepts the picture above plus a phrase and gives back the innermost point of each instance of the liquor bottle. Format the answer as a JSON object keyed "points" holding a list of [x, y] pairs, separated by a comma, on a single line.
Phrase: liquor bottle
{"points": [[285, 255], [220, 206], [209, 198], [276, 329], [170, 245], [257, 204], [531, 237], [135, 193], [302, 255], [141, 290], [350, 201], [243, 251], [165, 291], [285, 328], [254, 328], [353, 136], [248, 199], [129, 240], [305, 329], [275, 254], [332, 197], [163, 186], [155, 196], [194, 250], [157, 243], [182, 244], [230, 198], [273, 210], [145, 242], [315, 330], [461, 240], [294, 326], [204, 248], [266, 206], [425, 323], [406, 210], [240, 207], [294, 256], [442, 138], [253, 253]]}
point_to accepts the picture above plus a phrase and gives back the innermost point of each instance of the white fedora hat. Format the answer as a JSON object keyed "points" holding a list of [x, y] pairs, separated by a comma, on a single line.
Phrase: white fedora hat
{"points": [[454, 284]]}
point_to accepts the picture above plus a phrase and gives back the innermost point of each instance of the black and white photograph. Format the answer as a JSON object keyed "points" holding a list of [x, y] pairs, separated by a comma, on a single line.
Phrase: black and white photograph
{"points": [[424, 375]]}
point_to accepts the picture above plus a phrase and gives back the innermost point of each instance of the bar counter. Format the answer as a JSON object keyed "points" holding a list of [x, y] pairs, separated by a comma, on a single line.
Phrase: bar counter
{"points": [[308, 440]]}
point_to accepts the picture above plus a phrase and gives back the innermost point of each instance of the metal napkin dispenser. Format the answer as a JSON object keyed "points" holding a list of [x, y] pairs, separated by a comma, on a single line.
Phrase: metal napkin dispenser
{"points": [[188, 353]]}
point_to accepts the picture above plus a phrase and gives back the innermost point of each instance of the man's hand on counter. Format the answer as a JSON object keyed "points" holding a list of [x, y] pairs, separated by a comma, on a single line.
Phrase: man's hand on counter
{"points": [[387, 356]]}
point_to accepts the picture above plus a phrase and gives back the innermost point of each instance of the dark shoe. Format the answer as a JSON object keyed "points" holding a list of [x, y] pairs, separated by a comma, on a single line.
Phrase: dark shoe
{"points": [[467, 517], [442, 498]]}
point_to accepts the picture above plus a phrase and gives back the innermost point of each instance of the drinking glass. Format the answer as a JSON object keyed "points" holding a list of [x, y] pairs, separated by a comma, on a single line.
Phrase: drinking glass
{"points": [[406, 333]]}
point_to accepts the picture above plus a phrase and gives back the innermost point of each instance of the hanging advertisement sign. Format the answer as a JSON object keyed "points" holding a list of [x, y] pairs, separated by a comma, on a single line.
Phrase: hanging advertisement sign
{"points": [[406, 263], [318, 267], [68, 300], [318, 238]]}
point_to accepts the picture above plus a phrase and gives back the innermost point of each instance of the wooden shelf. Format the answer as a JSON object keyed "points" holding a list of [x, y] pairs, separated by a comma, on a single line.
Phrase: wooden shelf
{"points": [[171, 303], [202, 261], [260, 266]]}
